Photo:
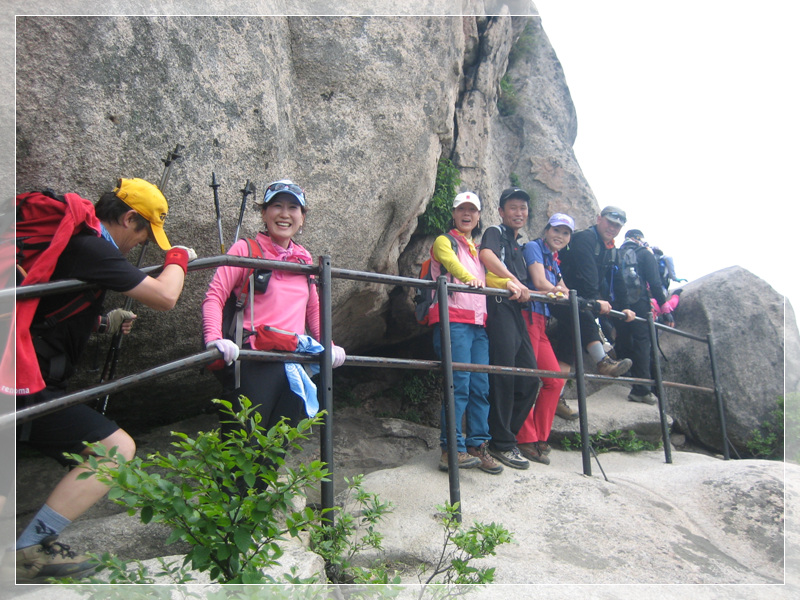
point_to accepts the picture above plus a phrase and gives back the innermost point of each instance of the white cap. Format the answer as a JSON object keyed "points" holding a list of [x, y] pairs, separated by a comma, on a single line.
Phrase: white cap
{"points": [[469, 197]]}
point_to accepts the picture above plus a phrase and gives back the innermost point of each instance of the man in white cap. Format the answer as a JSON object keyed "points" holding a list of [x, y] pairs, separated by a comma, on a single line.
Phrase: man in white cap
{"points": [[133, 213]]}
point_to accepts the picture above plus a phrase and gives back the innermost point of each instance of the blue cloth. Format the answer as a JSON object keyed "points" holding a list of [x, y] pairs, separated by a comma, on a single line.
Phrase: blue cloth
{"points": [[538, 252], [107, 236], [299, 381], [469, 344]]}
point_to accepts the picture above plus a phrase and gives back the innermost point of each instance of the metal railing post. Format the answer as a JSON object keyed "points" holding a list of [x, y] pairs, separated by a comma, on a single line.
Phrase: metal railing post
{"points": [[726, 453], [580, 382], [662, 398], [448, 395], [325, 390]]}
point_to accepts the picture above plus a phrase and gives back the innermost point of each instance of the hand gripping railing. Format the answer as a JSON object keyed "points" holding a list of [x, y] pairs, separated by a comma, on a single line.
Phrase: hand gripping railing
{"points": [[325, 274]]}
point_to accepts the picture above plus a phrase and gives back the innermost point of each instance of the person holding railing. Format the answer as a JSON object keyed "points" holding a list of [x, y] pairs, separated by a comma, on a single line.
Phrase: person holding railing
{"points": [[633, 337], [126, 217], [277, 308], [541, 256], [456, 255], [510, 396], [586, 266]]}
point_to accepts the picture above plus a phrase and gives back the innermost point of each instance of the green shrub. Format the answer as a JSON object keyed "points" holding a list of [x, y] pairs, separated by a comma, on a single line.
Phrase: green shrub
{"points": [[438, 213], [767, 441], [339, 543], [461, 546], [220, 493], [525, 45], [217, 493], [507, 101], [613, 440]]}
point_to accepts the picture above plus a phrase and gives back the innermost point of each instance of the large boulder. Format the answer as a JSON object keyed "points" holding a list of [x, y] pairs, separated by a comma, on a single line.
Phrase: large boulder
{"points": [[356, 109], [754, 333]]}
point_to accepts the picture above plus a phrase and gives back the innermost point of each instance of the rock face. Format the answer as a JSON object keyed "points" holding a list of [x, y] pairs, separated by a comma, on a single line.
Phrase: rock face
{"points": [[753, 332], [357, 110]]}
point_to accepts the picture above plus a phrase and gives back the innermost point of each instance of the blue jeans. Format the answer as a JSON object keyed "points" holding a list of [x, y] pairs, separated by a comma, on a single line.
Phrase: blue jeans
{"points": [[469, 344]]}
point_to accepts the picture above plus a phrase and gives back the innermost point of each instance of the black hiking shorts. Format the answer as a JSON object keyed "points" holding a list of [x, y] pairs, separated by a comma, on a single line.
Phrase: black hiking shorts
{"points": [[64, 430]]}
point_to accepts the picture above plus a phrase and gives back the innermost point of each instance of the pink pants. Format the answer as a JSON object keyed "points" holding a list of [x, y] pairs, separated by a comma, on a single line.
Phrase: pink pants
{"points": [[669, 305], [536, 427]]}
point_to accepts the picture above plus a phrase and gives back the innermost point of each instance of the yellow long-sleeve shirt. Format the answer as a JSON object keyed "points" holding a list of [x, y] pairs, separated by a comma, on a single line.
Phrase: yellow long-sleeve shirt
{"points": [[443, 253]]}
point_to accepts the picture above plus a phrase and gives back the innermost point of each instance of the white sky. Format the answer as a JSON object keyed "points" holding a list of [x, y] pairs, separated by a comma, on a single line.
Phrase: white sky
{"points": [[687, 119]]}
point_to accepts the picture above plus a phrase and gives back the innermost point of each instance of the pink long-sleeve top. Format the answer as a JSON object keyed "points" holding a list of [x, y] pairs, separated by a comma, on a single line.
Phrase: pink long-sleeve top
{"points": [[289, 303]]}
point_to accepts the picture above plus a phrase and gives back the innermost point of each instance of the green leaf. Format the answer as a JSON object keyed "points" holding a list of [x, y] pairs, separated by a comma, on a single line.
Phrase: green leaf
{"points": [[242, 538], [147, 514]]}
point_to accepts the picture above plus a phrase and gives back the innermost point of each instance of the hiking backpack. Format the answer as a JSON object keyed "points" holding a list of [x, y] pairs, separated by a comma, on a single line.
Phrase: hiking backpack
{"points": [[635, 286], [43, 233], [424, 298], [45, 223], [663, 272]]}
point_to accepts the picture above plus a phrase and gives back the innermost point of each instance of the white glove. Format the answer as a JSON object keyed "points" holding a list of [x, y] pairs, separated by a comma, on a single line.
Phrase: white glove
{"points": [[339, 355], [190, 251], [230, 351], [117, 317]]}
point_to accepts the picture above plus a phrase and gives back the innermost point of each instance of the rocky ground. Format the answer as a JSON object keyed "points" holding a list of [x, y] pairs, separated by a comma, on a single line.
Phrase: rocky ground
{"points": [[635, 520]]}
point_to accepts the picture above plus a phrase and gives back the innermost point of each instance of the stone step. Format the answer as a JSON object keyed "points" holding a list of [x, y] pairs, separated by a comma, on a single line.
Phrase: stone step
{"points": [[610, 410]]}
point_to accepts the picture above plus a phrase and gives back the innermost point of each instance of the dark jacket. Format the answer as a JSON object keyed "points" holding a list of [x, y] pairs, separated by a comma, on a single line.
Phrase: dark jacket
{"points": [[586, 265]]}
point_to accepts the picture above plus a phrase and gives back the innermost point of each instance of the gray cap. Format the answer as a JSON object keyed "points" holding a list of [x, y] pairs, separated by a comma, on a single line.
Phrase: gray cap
{"points": [[614, 214]]}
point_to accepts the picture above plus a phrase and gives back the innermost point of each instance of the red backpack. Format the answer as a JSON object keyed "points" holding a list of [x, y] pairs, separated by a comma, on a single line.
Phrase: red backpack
{"points": [[45, 224], [424, 298]]}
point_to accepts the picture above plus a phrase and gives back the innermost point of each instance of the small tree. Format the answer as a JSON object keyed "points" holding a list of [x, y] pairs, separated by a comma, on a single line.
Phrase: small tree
{"points": [[222, 494]]}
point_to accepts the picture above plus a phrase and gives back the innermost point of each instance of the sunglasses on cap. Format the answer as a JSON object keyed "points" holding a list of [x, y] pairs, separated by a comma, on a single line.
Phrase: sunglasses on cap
{"points": [[615, 215], [281, 186]]}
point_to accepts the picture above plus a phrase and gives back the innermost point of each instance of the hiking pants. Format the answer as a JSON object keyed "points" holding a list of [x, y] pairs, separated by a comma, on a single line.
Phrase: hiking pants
{"points": [[511, 397], [633, 341], [469, 344], [539, 422], [563, 345]]}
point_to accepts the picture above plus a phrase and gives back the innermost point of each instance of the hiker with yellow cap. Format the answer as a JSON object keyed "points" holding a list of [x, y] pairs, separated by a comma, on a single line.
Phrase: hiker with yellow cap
{"points": [[89, 243]]}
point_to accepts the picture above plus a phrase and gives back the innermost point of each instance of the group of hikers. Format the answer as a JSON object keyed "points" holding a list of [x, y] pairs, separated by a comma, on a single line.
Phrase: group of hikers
{"points": [[508, 418]]}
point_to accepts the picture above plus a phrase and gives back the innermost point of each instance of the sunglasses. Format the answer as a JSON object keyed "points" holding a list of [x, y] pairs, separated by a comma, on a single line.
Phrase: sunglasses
{"points": [[279, 186], [615, 215]]}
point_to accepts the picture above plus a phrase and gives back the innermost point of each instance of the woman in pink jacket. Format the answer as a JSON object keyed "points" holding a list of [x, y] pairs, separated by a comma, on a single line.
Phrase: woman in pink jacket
{"points": [[289, 302]]}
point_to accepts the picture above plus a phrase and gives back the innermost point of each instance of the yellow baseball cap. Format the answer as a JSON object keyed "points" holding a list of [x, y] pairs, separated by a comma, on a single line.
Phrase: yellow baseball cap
{"points": [[147, 200]]}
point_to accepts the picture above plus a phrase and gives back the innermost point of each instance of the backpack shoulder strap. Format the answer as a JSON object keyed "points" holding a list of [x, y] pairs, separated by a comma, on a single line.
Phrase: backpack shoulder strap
{"points": [[253, 250]]}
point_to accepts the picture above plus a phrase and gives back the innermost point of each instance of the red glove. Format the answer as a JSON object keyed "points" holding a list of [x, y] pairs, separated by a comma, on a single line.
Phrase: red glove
{"points": [[179, 255]]}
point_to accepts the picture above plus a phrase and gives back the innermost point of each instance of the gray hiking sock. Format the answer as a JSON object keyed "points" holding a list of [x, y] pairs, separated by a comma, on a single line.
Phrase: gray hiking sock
{"points": [[47, 522], [596, 351]]}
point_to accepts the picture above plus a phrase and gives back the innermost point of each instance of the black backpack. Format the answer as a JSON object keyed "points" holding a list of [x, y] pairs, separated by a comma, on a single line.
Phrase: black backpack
{"points": [[628, 269]]}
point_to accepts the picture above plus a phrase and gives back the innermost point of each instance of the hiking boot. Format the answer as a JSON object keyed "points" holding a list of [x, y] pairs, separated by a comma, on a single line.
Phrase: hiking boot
{"points": [[649, 398], [544, 447], [511, 458], [564, 411], [36, 564], [465, 461], [613, 368], [531, 452], [488, 463]]}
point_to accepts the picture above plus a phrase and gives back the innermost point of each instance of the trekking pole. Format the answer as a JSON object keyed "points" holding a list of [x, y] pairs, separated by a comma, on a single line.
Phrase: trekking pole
{"points": [[249, 188], [112, 358], [214, 185]]}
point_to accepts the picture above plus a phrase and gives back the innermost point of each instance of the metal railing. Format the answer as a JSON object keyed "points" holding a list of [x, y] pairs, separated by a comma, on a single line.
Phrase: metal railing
{"points": [[325, 273]]}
